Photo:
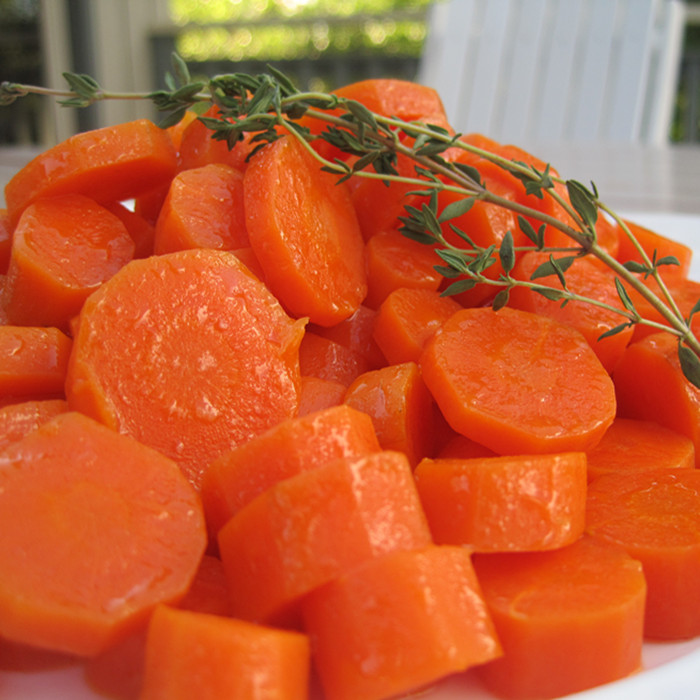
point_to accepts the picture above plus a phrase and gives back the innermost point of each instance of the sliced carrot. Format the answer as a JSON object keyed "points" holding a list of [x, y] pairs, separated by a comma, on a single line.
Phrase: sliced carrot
{"points": [[310, 528], [655, 517], [189, 353], [400, 406], [247, 257], [399, 623], [304, 231], [116, 523], [394, 261], [19, 419], [517, 382], [288, 448], [407, 318], [460, 447], [24, 658], [326, 359], [664, 396], [569, 619], [63, 249], [505, 504], [318, 394], [203, 209], [110, 164], [5, 240], [148, 204], [190, 654], [631, 445], [34, 361], [176, 130], [208, 592], [142, 232]]}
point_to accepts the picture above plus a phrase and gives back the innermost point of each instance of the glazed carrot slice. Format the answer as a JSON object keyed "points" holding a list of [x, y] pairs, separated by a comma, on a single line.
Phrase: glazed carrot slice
{"points": [[110, 164], [292, 446], [115, 522], [664, 396], [188, 353], [460, 447], [142, 232], [318, 394], [655, 517], [308, 529], [400, 406], [407, 318], [5, 240], [63, 249], [569, 619], [517, 382], [631, 445], [426, 603], [325, 358], [35, 360], [19, 419], [190, 654], [505, 504], [304, 231], [203, 209]]}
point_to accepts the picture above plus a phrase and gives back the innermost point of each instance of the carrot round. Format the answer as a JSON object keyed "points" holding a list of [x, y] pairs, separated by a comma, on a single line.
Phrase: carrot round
{"points": [[5, 240], [398, 623], [63, 249], [188, 353], [517, 382], [655, 517], [304, 231], [97, 530], [113, 163], [505, 504], [327, 359], [317, 394], [568, 619], [141, 230], [19, 419]]}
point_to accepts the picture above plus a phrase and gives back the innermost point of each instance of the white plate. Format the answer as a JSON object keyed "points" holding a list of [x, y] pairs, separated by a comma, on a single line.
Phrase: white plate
{"points": [[672, 670]]}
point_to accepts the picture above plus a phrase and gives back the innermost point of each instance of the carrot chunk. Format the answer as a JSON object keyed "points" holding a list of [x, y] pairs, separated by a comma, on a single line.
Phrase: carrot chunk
{"points": [[517, 382], [318, 394], [141, 230], [188, 353], [568, 619], [195, 655], [19, 419], [327, 359], [399, 623], [502, 504], [5, 240], [63, 249], [655, 517], [114, 522]]}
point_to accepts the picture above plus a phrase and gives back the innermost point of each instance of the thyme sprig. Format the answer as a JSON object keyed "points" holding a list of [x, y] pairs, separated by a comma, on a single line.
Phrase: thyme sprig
{"points": [[266, 106]]}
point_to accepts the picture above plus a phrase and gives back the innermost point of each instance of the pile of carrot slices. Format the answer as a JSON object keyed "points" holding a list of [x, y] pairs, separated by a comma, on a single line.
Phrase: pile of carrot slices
{"points": [[248, 449]]}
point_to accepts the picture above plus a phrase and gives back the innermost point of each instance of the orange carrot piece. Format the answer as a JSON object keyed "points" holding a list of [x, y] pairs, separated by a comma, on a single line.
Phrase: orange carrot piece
{"points": [[655, 517], [306, 530], [5, 240], [407, 319], [505, 504], [116, 523], [34, 360], [19, 419], [208, 592], [203, 209], [149, 204], [312, 255], [568, 619], [176, 130], [325, 358], [517, 382], [665, 396], [631, 445], [400, 406], [394, 261], [188, 353], [292, 446], [318, 394], [399, 623], [190, 654], [63, 249], [460, 447], [141, 230], [110, 164]]}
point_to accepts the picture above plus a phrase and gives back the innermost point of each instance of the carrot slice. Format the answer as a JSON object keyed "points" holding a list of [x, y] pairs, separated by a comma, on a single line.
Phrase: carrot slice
{"points": [[63, 249], [188, 353], [19, 419], [304, 231], [460, 447], [113, 163], [310, 528], [517, 382], [116, 523], [318, 394], [401, 408], [569, 619], [5, 240], [505, 504], [327, 359], [399, 623], [289, 448], [35, 360], [655, 517], [631, 445], [142, 232], [203, 209]]}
